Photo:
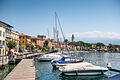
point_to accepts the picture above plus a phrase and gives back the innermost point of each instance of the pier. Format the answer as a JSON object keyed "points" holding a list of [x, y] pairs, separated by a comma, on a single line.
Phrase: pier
{"points": [[25, 70]]}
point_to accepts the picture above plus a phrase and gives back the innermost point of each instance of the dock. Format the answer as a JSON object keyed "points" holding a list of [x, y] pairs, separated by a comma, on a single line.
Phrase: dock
{"points": [[25, 70]]}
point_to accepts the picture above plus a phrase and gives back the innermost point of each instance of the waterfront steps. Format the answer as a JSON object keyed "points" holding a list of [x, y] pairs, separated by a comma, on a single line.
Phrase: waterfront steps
{"points": [[25, 70]]}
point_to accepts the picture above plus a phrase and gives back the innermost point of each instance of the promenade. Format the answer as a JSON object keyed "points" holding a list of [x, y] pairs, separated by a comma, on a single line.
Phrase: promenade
{"points": [[25, 70], [4, 59]]}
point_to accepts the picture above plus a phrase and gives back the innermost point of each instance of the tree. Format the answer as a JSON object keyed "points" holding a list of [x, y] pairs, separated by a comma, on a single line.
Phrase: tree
{"points": [[99, 45], [40, 47], [87, 45], [11, 44], [111, 47], [46, 43], [81, 44], [32, 47], [66, 40], [43, 49]]}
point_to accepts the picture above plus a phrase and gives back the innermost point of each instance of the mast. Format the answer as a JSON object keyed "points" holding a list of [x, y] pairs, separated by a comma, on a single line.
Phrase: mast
{"points": [[48, 38], [61, 31], [56, 31]]}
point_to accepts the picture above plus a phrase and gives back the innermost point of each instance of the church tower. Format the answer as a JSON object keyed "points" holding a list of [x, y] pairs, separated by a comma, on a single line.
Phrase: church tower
{"points": [[72, 37]]}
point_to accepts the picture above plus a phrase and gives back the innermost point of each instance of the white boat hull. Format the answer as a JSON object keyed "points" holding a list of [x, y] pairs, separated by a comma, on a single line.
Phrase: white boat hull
{"points": [[84, 73]]}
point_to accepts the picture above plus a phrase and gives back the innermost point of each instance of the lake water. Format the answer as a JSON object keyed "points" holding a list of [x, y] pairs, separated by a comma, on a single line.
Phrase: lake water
{"points": [[6, 71], [45, 70]]}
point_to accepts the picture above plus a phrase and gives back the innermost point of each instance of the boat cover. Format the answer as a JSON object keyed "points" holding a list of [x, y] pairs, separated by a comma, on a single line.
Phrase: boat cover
{"points": [[62, 60]]}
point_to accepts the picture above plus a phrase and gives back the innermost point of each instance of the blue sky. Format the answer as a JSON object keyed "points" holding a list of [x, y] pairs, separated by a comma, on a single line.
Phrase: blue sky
{"points": [[85, 18]]}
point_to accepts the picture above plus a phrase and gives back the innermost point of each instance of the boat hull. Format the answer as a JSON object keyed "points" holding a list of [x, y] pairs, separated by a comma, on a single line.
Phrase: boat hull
{"points": [[62, 64], [44, 59], [84, 73]]}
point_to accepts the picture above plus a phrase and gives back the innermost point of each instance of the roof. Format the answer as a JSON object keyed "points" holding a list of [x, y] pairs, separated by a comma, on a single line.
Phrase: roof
{"points": [[6, 24], [36, 38], [23, 35], [41, 36]]}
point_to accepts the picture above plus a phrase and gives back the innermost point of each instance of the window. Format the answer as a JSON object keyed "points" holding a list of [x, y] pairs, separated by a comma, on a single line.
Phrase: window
{"points": [[0, 25], [19, 37], [0, 33], [23, 41], [3, 42], [23, 37], [3, 34], [0, 51], [0, 42]]}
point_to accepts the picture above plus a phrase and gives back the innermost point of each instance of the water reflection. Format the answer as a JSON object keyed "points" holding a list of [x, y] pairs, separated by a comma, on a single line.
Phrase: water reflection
{"points": [[84, 77], [6, 71]]}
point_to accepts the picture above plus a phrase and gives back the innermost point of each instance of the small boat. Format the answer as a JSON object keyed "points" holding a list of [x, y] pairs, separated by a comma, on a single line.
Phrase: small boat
{"points": [[48, 57], [55, 51], [64, 61], [82, 69]]}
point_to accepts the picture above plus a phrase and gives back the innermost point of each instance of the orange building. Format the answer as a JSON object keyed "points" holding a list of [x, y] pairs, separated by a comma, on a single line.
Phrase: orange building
{"points": [[38, 41], [25, 41]]}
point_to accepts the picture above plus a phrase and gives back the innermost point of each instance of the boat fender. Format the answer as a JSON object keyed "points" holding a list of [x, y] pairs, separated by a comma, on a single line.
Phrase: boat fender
{"points": [[102, 72], [109, 66], [76, 72]]}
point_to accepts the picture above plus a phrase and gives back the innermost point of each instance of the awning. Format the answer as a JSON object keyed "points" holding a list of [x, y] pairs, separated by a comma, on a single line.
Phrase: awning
{"points": [[1, 47]]}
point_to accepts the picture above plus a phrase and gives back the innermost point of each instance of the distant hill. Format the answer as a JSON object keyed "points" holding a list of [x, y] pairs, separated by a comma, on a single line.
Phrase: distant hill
{"points": [[94, 40]]}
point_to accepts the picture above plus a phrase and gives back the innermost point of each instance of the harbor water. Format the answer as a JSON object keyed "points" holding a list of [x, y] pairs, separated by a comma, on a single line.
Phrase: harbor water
{"points": [[45, 70], [4, 72]]}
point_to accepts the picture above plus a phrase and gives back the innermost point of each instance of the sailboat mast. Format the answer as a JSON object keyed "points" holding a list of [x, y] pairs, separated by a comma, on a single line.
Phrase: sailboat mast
{"points": [[56, 29], [61, 31]]}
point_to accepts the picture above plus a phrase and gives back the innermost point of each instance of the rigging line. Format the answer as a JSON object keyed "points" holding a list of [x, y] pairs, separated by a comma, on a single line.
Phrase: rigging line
{"points": [[61, 30]]}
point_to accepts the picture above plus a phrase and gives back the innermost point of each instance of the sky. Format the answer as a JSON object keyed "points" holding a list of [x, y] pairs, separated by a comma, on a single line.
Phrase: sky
{"points": [[86, 19]]}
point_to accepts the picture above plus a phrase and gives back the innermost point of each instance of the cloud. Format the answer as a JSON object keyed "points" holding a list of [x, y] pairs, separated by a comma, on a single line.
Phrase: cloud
{"points": [[95, 34]]}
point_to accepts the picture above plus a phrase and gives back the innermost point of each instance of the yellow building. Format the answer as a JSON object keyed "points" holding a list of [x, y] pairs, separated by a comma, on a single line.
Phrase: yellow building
{"points": [[25, 41]]}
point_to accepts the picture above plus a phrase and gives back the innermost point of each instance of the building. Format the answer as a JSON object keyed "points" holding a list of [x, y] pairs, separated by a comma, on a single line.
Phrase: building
{"points": [[38, 41], [13, 35], [24, 41], [2, 40], [10, 34], [117, 47]]}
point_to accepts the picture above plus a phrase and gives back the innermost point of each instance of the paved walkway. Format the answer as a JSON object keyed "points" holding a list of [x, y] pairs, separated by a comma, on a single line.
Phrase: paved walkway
{"points": [[25, 70]]}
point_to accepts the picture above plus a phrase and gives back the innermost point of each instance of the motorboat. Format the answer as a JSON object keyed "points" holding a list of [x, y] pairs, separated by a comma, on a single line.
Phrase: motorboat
{"points": [[82, 69], [48, 57], [65, 60]]}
